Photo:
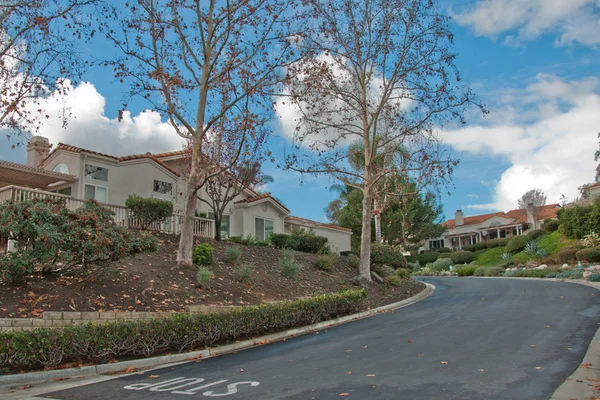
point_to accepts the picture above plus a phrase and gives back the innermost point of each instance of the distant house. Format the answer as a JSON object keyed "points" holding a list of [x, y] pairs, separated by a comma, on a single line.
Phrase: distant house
{"points": [[463, 231], [589, 193], [78, 174]]}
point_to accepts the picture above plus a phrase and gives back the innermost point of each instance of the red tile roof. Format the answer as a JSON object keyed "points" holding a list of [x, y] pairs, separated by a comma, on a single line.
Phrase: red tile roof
{"points": [[308, 222], [263, 196], [75, 149], [519, 215]]}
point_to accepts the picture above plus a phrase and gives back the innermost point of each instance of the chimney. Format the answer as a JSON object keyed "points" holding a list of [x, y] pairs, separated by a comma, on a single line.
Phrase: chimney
{"points": [[459, 218], [38, 149]]}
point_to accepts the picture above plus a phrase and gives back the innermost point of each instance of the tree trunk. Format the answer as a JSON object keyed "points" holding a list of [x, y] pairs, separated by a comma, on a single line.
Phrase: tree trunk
{"points": [[217, 228], [377, 223], [186, 241], [365, 237]]}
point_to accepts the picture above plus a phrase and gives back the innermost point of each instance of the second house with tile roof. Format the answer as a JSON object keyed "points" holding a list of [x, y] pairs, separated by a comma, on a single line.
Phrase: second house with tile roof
{"points": [[82, 174]]}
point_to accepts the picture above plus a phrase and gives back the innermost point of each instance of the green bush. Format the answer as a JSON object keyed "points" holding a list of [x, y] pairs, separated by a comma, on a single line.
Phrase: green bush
{"points": [[568, 255], [300, 240], [553, 274], [517, 243], [444, 250], [594, 278], [326, 262], [387, 255], [442, 264], [288, 265], [411, 259], [204, 277], [383, 270], [428, 257], [202, 254], [564, 274], [462, 257], [576, 274], [465, 270], [233, 254], [591, 254], [403, 273], [82, 344], [48, 234], [393, 280], [490, 244], [550, 225], [532, 273], [148, 211], [534, 234], [445, 255], [493, 271], [249, 241], [479, 271], [353, 260], [243, 272], [477, 246], [577, 221]]}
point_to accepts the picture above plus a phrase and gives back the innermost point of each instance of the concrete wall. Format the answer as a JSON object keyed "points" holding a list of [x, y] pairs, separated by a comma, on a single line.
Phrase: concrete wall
{"points": [[73, 162], [337, 240], [261, 210], [137, 178]]}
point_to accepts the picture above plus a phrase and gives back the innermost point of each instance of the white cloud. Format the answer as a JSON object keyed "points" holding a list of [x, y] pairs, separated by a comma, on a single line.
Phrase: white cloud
{"points": [[549, 151], [88, 126], [573, 21]]}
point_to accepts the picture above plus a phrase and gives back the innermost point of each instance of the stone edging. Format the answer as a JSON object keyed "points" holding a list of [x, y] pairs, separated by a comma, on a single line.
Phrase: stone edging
{"points": [[164, 361]]}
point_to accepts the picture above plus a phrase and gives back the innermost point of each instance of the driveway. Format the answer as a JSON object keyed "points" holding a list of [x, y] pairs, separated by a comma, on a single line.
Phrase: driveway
{"points": [[472, 339]]}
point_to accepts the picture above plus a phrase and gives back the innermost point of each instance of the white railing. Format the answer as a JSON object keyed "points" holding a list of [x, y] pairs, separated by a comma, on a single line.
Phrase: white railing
{"points": [[202, 226]]}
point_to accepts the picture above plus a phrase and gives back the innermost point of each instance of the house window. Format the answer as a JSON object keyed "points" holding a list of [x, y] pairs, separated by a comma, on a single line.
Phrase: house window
{"points": [[66, 191], [97, 173], [436, 244], [62, 168], [263, 229], [163, 187], [225, 226], [98, 193]]}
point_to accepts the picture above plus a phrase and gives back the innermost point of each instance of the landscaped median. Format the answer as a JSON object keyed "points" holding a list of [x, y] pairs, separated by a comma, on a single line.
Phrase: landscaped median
{"points": [[80, 344]]}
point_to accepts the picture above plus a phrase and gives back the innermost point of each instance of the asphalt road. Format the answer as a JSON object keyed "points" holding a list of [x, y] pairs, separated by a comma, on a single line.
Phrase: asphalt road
{"points": [[472, 339]]}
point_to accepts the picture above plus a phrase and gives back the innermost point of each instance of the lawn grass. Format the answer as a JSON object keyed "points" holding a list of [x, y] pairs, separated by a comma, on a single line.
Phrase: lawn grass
{"points": [[490, 257], [553, 242]]}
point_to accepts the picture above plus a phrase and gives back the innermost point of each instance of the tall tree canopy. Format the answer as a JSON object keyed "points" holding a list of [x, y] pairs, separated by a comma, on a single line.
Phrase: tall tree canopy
{"points": [[380, 72], [533, 196]]}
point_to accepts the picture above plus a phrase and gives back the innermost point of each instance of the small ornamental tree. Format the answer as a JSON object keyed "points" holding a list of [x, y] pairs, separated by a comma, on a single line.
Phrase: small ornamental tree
{"points": [[148, 210]]}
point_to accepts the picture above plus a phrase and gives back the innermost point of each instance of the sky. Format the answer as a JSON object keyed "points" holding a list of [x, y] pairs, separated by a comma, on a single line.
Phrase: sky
{"points": [[535, 64]]}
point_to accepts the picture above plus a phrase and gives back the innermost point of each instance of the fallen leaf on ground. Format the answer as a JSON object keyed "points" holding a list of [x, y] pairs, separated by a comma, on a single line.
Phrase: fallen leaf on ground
{"points": [[344, 394], [586, 365], [539, 368], [420, 355], [569, 348], [24, 387], [444, 363], [370, 375], [241, 370], [154, 376], [591, 379], [482, 370], [129, 369], [533, 346]]}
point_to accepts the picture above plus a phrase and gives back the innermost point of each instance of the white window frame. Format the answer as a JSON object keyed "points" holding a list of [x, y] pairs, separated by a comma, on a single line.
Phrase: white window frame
{"points": [[95, 186], [264, 232], [160, 193], [94, 179]]}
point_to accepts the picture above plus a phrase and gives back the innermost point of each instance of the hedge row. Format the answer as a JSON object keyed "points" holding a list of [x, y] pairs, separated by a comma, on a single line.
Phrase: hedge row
{"points": [[43, 348], [591, 254], [299, 241]]}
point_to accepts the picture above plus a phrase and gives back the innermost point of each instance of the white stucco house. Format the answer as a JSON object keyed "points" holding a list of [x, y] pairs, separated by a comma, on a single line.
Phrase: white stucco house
{"points": [[79, 174], [463, 231]]}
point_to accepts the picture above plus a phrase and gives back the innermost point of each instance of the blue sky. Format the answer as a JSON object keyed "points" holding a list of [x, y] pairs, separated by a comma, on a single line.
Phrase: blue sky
{"points": [[534, 63]]}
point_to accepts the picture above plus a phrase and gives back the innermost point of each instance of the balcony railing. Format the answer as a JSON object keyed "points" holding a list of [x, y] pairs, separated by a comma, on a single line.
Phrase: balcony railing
{"points": [[202, 226]]}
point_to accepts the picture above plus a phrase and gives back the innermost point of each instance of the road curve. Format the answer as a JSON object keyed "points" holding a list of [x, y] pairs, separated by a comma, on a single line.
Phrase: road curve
{"points": [[472, 339]]}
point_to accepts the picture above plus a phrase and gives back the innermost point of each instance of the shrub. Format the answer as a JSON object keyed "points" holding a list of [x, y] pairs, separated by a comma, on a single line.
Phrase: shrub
{"points": [[465, 270], [288, 265], [403, 273], [553, 274], [594, 277], [202, 254], [243, 272], [476, 246], [493, 271], [411, 259], [444, 255], [300, 240], [428, 257], [148, 210], [442, 264], [517, 243], [591, 240], [500, 242], [591, 254], [80, 344], [564, 274], [387, 255], [204, 277], [233, 254], [531, 248], [531, 273], [249, 241], [479, 271], [354, 260], [326, 262], [426, 271], [550, 225], [393, 280], [444, 250], [534, 234], [576, 274], [383, 270], [462, 257], [568, 255], [48, 234], [506, 256]]}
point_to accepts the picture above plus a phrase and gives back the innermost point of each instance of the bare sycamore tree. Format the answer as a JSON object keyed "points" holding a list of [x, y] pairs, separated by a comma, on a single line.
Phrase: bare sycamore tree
{"points": [[381, 72], [207, 67], [222, 189], [535, 197], [38, 51]]}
